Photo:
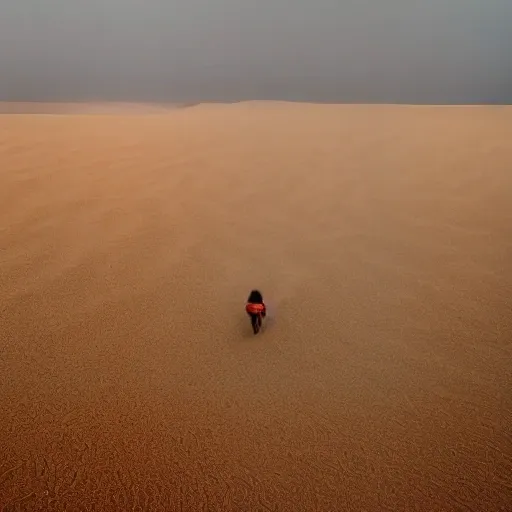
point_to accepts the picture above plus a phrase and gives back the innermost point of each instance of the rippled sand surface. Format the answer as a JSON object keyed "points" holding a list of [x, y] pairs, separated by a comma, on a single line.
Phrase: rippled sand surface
{"points": [[381, 237]]}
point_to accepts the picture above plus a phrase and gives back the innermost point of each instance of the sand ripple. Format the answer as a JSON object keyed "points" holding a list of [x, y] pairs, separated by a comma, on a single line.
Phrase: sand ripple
{"points": [[129, 379]]}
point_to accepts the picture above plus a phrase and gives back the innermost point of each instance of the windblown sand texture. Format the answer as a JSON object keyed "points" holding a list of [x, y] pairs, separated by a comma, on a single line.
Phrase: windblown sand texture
{"points": [[381, 237]]}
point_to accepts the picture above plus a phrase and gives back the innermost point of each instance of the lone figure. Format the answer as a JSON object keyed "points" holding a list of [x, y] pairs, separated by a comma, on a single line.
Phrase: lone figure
{"points": [[256, 309]]}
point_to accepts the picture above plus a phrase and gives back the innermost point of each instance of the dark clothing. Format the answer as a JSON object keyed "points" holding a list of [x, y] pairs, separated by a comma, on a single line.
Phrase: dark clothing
{"points": [[256, 322], [256, 309]]}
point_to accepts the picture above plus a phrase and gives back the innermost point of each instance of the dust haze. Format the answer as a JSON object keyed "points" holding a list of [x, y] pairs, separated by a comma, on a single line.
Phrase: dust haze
{"points": [[396, 51], [130, 378]]}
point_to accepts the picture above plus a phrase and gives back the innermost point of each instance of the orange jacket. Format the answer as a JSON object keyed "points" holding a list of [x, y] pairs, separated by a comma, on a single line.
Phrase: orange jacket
{"points": [[255, 309]]}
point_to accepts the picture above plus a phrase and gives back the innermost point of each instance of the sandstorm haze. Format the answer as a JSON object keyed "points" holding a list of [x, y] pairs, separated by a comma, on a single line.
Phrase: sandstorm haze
{"points": [[380, 235], [440, 51]]}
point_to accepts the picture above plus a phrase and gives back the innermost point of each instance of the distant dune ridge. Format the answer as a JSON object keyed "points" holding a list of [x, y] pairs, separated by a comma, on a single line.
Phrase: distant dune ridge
{"points": [[381, 237], [84, 108]]}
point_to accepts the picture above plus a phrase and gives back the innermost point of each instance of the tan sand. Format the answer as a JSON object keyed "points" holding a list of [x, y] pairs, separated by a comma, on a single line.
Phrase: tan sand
{"points": [[382, 239]]}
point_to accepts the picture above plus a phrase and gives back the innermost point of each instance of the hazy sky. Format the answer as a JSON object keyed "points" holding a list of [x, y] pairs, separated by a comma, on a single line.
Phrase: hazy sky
{"points": [[423, 51]]}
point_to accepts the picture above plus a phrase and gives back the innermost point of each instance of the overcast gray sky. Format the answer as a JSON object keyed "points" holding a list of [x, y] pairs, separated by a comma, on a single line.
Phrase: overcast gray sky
{"points": [[421, 51]]}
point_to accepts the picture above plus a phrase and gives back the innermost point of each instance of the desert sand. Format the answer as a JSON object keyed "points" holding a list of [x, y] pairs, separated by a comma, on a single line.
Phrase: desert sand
{"points": [[381, 237]]}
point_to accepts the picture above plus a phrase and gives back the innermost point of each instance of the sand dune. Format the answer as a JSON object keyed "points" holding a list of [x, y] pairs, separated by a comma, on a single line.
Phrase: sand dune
{"points": [[69, 108], [381, 237]]}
